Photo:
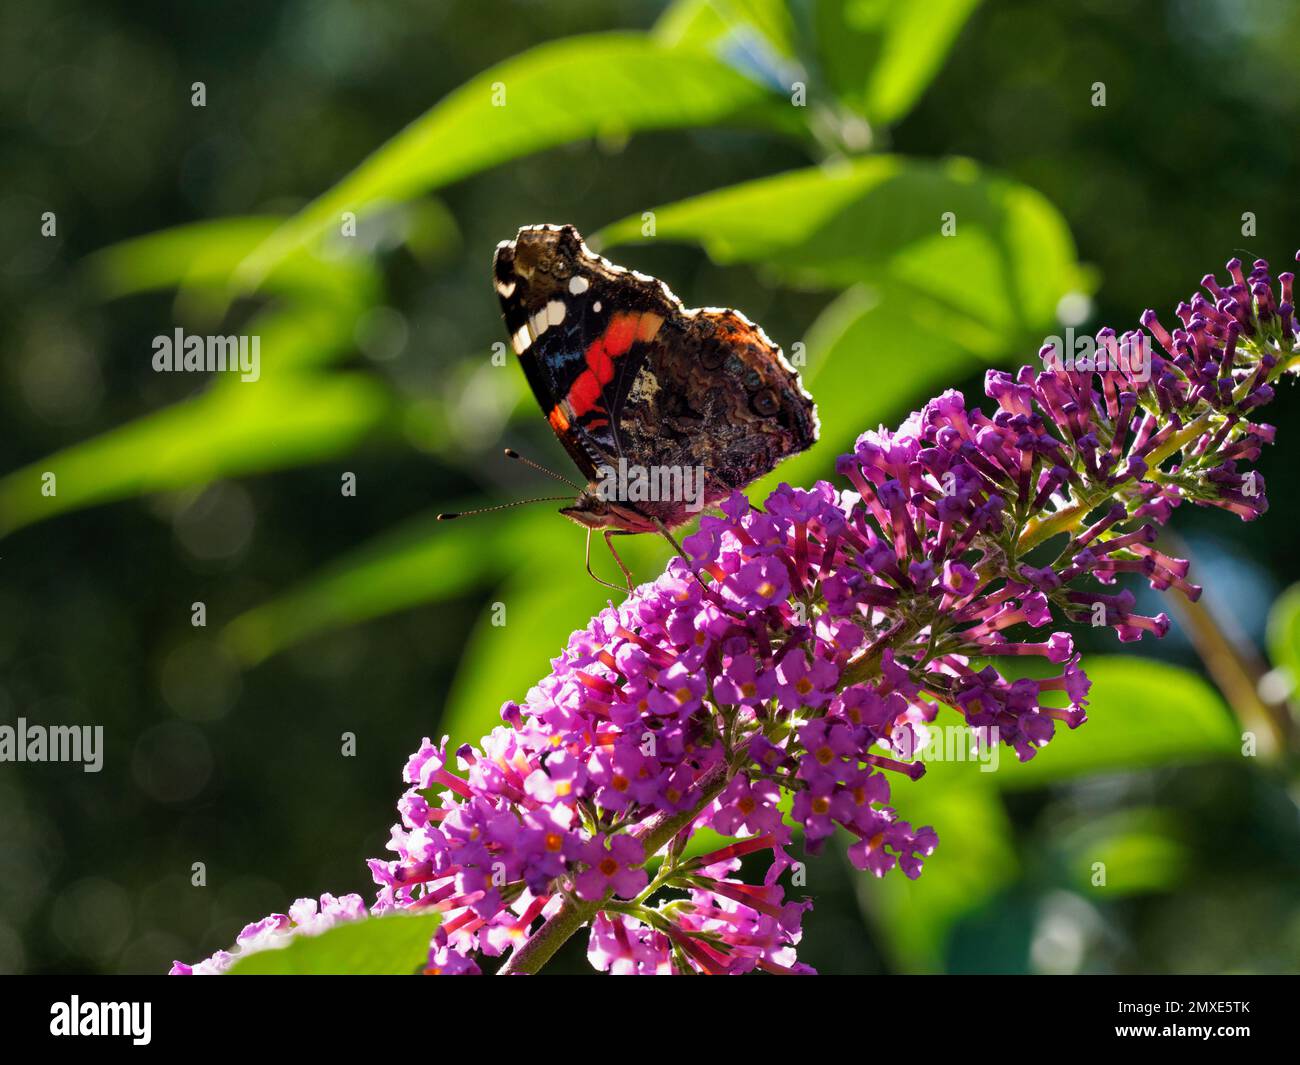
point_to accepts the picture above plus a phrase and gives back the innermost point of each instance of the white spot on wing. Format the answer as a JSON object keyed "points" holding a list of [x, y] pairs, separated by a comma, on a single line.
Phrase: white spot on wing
{"points": [[554, 312], [521, 340], [578, 285]]}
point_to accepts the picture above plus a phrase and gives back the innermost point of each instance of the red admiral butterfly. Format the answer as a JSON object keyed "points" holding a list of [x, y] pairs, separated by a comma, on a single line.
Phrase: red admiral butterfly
{"points": [[698, 401]]}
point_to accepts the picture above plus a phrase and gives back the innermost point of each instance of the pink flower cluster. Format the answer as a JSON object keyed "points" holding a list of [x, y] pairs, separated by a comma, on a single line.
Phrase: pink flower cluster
{"points": [[809, 645]]}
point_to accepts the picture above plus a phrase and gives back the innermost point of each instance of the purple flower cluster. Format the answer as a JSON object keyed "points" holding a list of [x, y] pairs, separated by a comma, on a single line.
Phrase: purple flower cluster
{"points": [[810, 646]]}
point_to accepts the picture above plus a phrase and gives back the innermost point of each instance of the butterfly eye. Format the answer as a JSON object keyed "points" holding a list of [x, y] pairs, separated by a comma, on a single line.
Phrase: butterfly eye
{"points": [[764, 402]]}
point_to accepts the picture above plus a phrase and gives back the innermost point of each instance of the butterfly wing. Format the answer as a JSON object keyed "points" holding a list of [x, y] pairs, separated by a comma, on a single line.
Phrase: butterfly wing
{"points": [[581, 329], [623, 371]]}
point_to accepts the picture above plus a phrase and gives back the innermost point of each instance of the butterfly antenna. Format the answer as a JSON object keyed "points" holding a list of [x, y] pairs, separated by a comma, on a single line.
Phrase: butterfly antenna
{"points": [[511, 453], [452, 515]]}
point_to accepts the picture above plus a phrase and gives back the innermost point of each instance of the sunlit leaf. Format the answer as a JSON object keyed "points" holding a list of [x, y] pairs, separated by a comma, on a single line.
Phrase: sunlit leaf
{"points": [[422, 561], [544, 602], [879, 55], [561, 91], [873, 355], [1007, 264], [202, 255], [1141, 713], [755, 36], [1137, 850], [708, 22], [503, 662], [974, 861], [223, 432], [1284, 633], [393, 945]]}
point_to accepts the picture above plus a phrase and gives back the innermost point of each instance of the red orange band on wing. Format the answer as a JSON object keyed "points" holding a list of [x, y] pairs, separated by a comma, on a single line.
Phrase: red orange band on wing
{"points": [[620, 334]]}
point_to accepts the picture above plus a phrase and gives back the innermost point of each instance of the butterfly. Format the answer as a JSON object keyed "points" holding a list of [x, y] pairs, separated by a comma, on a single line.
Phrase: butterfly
{"points": [[664, 410]]}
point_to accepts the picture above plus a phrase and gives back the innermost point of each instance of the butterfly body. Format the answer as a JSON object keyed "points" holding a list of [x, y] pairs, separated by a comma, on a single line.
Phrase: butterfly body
{"points": [[697, 402]]}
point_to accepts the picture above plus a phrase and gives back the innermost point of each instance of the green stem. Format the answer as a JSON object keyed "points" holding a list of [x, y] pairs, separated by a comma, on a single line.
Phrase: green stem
{"points": [[1069, 518]]}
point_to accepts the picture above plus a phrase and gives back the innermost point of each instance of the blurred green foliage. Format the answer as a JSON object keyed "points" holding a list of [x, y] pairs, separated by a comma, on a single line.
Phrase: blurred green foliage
{"points": [[329, 614]]}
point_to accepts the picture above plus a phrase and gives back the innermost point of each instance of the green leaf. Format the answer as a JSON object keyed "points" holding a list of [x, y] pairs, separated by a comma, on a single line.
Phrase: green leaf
{"points": [[393, 945], [975, 860], [561, 91], [872, 355], [1284, 633], [422, 561], [228, 430], [879, 55], [1141, 713], [880, 219], [749, 34], [1143, 850], [425, 561], [503, 662], [199, 258]]}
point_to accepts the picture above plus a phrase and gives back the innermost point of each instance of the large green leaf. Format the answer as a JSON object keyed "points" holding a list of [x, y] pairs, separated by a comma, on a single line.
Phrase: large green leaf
{"points": [[226, 431], [974, 861], [881, 219], [561, 91], [1142, 850], [198, 259], [879, 55], [544, 602], [394, 945], [1284, 633], [758, 35], [422, 561], [1141, 713], [873, 355], [503, 662]]}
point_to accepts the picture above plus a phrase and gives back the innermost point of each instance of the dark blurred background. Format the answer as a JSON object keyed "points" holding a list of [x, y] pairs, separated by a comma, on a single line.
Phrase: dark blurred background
{"points": [[236, 764]]}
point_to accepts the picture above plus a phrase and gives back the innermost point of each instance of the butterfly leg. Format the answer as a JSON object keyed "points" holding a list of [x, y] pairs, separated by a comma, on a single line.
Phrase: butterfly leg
{"points": [[627, 573], [667, 535], [600, 580]]}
